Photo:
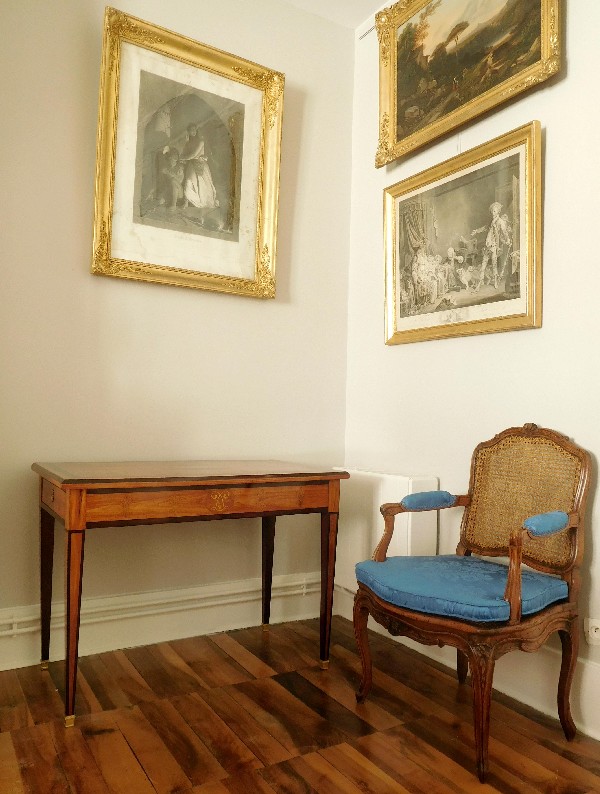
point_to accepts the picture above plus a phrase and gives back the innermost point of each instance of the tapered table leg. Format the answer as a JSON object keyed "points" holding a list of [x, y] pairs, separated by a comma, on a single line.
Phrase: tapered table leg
{"points": [[268, 547], [74, 576], [329, 527], [46, 565]]}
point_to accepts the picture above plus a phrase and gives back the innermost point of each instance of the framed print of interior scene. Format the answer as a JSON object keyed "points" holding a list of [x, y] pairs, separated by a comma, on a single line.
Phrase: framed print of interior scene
{"points": [[187, 168], [462, 243], [444, 62]]}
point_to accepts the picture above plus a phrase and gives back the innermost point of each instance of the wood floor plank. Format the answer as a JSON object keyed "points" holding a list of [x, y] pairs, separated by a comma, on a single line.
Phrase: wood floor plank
{"points": [[113, 755], [323, 776], [305, 647], [286, 778], [418, 779], [85, 702], [224, 744], [256, 737], [562, 767], [243, 783], [210, 663], [158, 763], [43, 699], [451, 760], [246, 659], [582, 751], [339, 688], [10, 773], [273, 649], [126, 677], [319, 702], [77, 761], [41, 771], [164, 672], [394, 696], [187, 678], [363, 773], [214, 787], [14, 711], [106, 689], [196, 760], [290, 721], [509, 760]]}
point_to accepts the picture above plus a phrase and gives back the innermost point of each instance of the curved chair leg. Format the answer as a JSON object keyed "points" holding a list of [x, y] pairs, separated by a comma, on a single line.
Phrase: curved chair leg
{"points": [[361, 617], [462, 666], [481, 662], [570, 644]]}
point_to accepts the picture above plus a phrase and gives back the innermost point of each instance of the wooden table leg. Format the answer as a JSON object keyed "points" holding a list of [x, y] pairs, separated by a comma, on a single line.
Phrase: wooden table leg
{"points": [[73, 578], [46, 565], [329, 527], [268, 547]]}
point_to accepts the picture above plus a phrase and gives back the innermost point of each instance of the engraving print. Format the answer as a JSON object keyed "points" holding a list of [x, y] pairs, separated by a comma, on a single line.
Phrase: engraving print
{"points": [[189, 159], [459, 242]]}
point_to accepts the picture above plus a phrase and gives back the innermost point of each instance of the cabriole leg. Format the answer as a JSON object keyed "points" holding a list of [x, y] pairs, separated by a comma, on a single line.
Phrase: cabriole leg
{"points": [[361, 617], [481, 662], [570, 644]]}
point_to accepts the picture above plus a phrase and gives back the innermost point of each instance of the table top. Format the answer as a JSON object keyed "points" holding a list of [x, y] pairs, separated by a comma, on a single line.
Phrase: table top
{"points": [[188, 471]]}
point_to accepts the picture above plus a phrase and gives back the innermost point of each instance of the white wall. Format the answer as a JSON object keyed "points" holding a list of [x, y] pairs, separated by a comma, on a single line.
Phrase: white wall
{"points": [[98, 368], [421, 408]]}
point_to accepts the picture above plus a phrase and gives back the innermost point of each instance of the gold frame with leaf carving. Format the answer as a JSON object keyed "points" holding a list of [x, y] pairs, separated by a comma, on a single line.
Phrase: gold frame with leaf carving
{"points": [[430, 110], [463, 243], [138, 233]]}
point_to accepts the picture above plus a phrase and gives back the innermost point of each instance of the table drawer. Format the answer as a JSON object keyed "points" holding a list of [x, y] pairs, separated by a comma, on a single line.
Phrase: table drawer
{"points": [[155, 504], [54, 498]]}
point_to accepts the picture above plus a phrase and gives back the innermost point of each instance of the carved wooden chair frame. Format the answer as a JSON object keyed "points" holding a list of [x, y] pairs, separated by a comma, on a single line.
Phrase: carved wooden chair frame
{"points": [[480, 644]]}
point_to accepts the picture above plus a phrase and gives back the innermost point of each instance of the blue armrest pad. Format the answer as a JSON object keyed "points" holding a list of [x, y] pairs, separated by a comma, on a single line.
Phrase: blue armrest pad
{"points": [[428, 500], [546, 523]]}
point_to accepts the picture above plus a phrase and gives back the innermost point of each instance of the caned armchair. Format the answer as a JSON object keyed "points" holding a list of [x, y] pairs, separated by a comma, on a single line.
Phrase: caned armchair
{"points": [[526, 502]]}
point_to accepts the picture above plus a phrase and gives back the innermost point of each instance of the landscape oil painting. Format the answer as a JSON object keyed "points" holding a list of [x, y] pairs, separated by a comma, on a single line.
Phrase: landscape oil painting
{"points": [[443, 62], [462, 243]]}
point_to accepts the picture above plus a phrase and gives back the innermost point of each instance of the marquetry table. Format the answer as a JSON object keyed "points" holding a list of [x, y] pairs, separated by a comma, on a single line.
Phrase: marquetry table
{"points": [[84, 496]]}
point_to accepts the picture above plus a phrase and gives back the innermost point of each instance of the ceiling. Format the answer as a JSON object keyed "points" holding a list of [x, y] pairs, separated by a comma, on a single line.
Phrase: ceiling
{"points": [[348, 13]]}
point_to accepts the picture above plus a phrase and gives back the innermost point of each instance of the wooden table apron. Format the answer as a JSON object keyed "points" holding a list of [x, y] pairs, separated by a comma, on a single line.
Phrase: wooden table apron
{"points": [[87, 495]]}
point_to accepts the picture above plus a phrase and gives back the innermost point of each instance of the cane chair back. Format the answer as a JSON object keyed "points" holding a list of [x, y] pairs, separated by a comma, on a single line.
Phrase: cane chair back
{"points": [[520, 473]]}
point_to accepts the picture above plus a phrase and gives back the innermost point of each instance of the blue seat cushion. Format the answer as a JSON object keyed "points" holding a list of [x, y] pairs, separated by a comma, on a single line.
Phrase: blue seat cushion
{"points": [[466, 588]]}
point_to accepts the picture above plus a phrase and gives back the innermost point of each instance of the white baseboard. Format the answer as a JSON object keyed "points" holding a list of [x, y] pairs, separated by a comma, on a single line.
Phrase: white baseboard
{"points": [[531, 678], [144, 618]]}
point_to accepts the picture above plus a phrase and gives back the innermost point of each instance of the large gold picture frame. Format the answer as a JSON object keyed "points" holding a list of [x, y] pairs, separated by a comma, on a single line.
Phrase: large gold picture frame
{"points": [[187, 162], [444, 62], [462, 243]]}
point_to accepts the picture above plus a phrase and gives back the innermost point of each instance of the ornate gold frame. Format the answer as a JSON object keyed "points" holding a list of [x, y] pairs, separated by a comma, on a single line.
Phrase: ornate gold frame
{"points": [[388, 22], [266, 90], [477, 176]]}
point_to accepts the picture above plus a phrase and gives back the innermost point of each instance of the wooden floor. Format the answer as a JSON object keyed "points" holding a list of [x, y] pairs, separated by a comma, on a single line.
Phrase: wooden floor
{"points": [[250, 711]]}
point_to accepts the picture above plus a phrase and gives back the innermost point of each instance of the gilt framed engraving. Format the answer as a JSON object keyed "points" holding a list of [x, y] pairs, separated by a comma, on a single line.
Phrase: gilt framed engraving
{"points": [[462, 243], [187, 163], [444, 62]]}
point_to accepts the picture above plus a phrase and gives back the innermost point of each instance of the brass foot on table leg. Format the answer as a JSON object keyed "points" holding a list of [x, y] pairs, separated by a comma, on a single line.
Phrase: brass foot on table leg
{"points": [[70, 721], [324, 664], [265, 627], [44, 664]]}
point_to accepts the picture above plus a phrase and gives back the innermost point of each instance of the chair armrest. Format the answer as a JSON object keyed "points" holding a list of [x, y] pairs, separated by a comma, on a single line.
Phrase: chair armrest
{"points": [[542, 525], [413, 503], [424, 500], [546, 524]]}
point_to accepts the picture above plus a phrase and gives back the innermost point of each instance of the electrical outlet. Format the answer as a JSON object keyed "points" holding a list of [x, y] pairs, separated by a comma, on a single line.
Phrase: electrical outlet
{"points": [[591, 627]]}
